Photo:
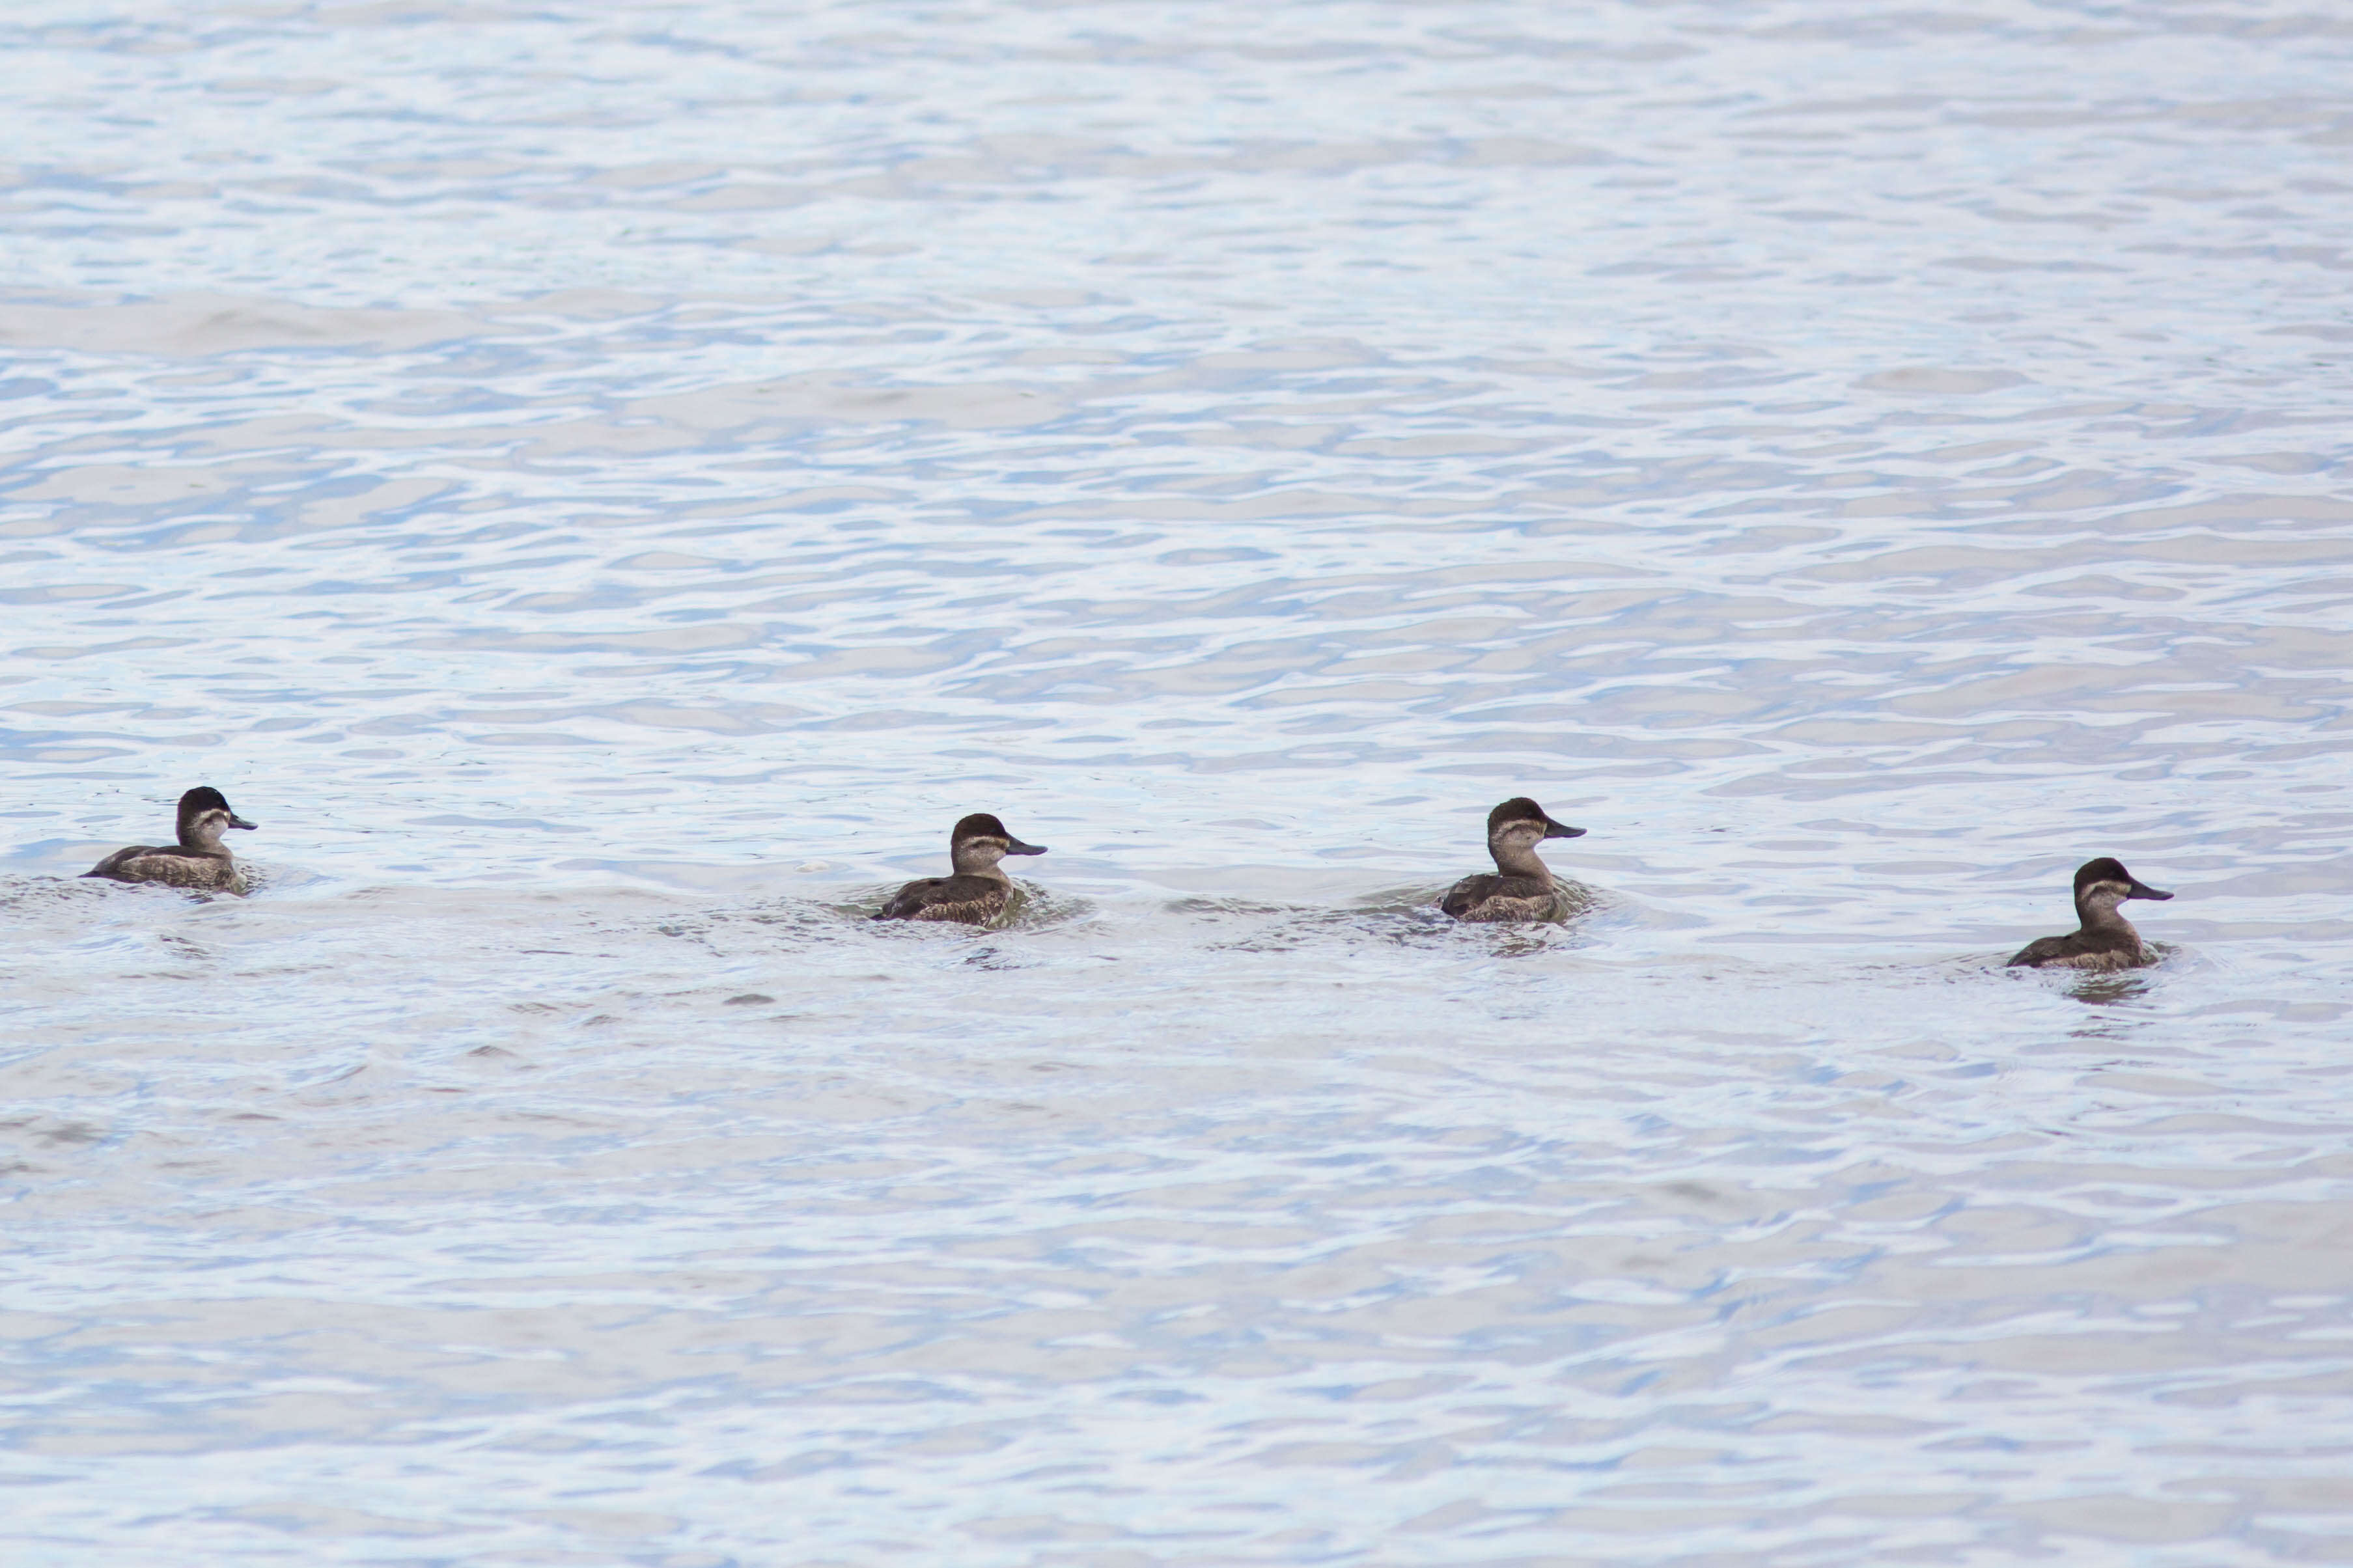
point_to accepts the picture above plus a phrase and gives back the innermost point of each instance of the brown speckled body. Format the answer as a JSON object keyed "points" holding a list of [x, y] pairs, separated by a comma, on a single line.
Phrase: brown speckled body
{"points": [[2086, 950], [174, 866], [967, 901], [1502, 898]]}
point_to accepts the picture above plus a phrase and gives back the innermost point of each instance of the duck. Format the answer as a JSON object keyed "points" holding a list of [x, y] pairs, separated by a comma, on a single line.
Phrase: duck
{"points": [[2107, 939], [198, 860], [976, 891], [1523, 888]]}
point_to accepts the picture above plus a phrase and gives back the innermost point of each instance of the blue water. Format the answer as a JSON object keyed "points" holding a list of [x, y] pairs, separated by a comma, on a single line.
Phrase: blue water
{"points": [[605, 487]]}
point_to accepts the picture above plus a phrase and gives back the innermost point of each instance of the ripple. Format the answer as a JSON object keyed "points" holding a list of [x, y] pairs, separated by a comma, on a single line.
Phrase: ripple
{"points": [[605, 487]]}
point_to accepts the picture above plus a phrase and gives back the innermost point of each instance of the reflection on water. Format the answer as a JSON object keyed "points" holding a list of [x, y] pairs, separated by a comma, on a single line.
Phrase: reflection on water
{"points": [[2108, 990], [605, 486]]}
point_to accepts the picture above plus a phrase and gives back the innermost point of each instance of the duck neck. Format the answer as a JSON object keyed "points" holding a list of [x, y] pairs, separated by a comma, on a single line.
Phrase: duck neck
{"points": [[2103, 915], [1519, 860], [201, 840], [979, 862]]}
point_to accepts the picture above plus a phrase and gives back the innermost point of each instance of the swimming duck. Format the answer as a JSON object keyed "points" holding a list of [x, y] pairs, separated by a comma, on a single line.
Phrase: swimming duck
{"points": [[1523, 889], [977, 892], [198, 860], [2107, 940]]}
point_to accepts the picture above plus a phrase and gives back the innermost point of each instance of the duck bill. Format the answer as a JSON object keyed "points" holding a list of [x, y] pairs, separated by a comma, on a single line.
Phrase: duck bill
{"points": [[1561, 830], [2140, 890], [237, 821], [1015, 846]]}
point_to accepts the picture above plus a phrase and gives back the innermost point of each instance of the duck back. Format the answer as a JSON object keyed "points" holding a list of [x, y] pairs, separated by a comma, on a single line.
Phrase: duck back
{"points": [[1489, 897], [171, 865], [967, 901], [2084, 950]]}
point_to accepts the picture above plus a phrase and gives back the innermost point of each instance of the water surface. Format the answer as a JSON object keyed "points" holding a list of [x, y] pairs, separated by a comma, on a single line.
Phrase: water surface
{"points": [[605, 487]]}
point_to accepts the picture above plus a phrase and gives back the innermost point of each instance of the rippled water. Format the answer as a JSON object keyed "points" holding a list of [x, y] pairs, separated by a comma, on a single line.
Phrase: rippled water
{"points": [[605, 486]]}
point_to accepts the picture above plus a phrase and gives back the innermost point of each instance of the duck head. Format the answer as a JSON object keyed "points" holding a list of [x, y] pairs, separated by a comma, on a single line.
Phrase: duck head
{"points": [[979, 841], [204, 815], [1523, 823], [2101, 884]]}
